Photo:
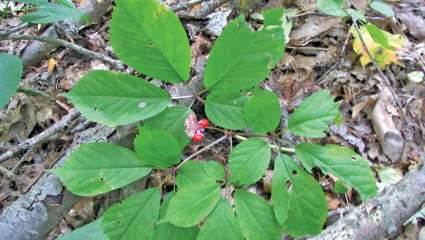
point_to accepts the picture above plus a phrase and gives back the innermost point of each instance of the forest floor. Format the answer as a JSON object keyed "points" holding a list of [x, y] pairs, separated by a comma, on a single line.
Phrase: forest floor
{"points": [[384, 116]]}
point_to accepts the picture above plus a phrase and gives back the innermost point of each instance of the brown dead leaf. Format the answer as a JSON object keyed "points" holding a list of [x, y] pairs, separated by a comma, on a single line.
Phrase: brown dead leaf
{"points": [[414, 23], [360, 4], [22, 115], [333, 203], [304, 5], [201, 46], [301, 76], [313, 27], [358, 107]]}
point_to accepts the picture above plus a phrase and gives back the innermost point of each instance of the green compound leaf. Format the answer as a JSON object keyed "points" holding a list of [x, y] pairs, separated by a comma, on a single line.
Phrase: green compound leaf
{"points": [[248, 161], [194, 172], [96, 168], [312, 117], [221, 224], [226, 111], [299, 202], [11, 68], [242, 58], [332, 7], [53, 12], [171, 120], [169, 231], [191, 205], [382, 8], [157, 148], [91, 231], [151, 39], [341, 162], [117, 99], [133, 218], [262, 112], [255, 217]]}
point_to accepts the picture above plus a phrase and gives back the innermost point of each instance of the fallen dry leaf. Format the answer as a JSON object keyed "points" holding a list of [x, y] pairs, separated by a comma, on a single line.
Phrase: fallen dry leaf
{"points": [[314, 26], [333, 203]]}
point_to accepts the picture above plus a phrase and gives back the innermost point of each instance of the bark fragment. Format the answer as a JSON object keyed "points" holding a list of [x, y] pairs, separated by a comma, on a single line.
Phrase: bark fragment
{"points": [[389, 136]]}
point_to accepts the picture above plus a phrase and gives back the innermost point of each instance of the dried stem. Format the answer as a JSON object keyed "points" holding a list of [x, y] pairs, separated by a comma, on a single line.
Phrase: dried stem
{"points": [[202, 150]]}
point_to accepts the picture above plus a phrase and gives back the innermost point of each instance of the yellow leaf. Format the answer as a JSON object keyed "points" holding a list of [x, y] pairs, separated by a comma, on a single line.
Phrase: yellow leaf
{"points": [[51, 64], [382, 45]]}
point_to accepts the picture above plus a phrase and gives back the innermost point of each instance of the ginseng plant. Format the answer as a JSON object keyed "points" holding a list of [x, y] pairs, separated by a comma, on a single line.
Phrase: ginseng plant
{"points": [[210, 199]]}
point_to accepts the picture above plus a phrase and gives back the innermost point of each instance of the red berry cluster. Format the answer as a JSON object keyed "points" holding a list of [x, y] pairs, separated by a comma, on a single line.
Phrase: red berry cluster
{"points": [[199, 132]]}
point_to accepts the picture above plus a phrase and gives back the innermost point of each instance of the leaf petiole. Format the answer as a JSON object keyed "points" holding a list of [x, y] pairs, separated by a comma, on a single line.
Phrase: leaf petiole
{"points": [[282, 149]]}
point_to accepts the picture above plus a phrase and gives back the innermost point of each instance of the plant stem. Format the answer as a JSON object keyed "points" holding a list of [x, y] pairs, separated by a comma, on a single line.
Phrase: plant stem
{"points": [[282, 149], [201, 151], [118, 64], [182, 97], [34, 92]]}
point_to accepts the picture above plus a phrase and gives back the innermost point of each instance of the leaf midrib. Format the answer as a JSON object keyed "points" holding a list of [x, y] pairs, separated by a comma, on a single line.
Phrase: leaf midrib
{"points": [[150, 38], [255, 219], [201, 199], [312, 119], [234, 62], [137, 215], [107, 169]]}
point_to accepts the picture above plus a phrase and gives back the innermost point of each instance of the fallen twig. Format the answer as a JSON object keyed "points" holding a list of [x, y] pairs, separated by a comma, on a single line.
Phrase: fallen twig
{"points": [[202, 150], [207, 8], [58, 126], [118, 64], [185, 5], [14, 29]]}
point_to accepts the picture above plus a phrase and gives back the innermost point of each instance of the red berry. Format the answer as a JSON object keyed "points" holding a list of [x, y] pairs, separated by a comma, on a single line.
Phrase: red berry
{"points": [[197, 137], [203, 123]]}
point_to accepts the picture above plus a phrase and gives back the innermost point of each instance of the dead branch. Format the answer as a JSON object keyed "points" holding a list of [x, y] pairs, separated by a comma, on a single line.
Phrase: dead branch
{"points": [[14, 29], [381, 217], [390, 138], [55, 128], [207, 8], [60, 42]]}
